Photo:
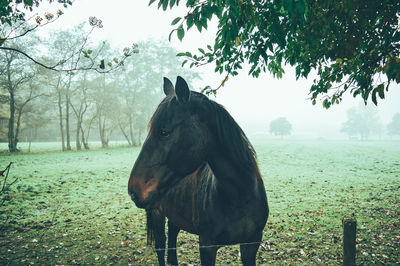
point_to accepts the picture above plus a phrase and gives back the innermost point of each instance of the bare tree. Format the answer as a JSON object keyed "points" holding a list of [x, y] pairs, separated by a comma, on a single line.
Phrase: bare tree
{"points": [[36, 117], [107, 105], [15, 74], [81, 107]]}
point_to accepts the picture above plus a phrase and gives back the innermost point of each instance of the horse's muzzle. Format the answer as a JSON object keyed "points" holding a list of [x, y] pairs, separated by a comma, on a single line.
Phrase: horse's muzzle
{"points": [[139, 203]]}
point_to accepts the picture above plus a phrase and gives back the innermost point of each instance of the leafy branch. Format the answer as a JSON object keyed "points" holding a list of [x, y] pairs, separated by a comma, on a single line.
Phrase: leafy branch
{"points": [[346, 42], [100, 66]]}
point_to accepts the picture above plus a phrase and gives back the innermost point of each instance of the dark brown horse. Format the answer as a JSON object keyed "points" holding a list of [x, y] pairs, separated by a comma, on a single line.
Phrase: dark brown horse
{"points": [[198, 169]]}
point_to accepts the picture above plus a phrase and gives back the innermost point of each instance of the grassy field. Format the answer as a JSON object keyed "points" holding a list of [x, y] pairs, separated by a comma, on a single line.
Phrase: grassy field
{"points": [[73, 207]]}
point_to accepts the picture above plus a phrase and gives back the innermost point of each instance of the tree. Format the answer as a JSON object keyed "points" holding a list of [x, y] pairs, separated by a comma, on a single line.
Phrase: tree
{"points": [[12, 11], [3, 116], [393, 128], [15, 26], [80, 106], [83, 91], [106, 102], [362, 122], [347, 42], [36, 117], [140, 85], [61, 44], [24, 102], [16, 78], [280, 127]]}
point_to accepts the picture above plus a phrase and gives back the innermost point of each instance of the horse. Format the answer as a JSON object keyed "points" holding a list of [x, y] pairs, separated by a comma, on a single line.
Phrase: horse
{"points": [[198, 169]]}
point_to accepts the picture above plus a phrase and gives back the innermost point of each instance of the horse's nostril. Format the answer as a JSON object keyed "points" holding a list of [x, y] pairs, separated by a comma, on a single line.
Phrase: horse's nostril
{"points": [[132, 194]]}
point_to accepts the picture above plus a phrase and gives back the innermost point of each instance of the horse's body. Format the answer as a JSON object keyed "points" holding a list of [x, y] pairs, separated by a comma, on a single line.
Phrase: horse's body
{"points": [[198, 169]]}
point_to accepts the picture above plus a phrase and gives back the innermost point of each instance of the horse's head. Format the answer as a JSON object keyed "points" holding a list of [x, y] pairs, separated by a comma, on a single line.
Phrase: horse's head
{"points": [[175, 146]]}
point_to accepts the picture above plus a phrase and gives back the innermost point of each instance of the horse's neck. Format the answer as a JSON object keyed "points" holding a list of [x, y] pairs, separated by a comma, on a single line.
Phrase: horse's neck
{"points": [[231, 179]]}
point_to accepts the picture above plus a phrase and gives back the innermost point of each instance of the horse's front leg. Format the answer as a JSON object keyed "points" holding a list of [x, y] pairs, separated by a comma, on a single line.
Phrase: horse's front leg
{"points": [[157, 223], [248, 251], [173, 231], [208, 252]]}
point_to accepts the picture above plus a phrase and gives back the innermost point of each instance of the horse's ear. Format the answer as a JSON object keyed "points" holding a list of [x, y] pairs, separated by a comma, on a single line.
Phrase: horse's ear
{"points": [[168, 87], [182, 90]]}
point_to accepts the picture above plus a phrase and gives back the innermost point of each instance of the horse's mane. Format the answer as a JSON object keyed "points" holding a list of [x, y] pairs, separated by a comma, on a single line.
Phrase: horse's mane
{"points": [[229, 135]]}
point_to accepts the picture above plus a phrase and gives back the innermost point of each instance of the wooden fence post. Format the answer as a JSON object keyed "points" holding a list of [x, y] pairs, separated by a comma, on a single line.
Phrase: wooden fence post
{"points": [[349, 241]]}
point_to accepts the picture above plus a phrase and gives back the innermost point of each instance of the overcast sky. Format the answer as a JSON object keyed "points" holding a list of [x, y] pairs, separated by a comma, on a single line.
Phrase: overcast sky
{"points": [[252, 102]]}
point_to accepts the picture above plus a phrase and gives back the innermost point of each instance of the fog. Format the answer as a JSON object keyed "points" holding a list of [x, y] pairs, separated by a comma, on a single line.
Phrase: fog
{"points": [[252, 102]]}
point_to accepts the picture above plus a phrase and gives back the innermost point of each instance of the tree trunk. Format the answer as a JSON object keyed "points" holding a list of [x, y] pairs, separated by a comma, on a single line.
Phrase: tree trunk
{"points": [[78, 130], [131, 134], [84, 140], [125, 135], [12, 146], [86, 137], [67, 121], [102, 132], [16, 134], [140, 137], [61, 121]]}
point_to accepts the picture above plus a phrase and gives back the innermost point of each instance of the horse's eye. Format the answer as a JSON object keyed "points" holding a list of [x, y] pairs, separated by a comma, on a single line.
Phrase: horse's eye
{"points": [[164, 133]]}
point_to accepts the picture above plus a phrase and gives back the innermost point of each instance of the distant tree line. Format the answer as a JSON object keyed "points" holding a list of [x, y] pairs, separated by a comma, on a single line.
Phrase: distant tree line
{"points": [[393, 128], [75, 106], [364, 121]]}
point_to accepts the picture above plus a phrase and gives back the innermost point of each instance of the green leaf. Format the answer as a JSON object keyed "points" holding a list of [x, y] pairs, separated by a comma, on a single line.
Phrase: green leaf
{"points": [[206, 88], [176, 20], [165, 4], [28, 2], [170, 34], [198, 25], [373, 94], [189, 21], [204, 23], [171, 3], [181, 33], [151, 1], [326, 104], [381, 91]]}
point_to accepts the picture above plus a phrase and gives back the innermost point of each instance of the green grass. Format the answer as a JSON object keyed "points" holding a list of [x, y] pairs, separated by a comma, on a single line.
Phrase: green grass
{"points": [[40, 147], [73, 207]]}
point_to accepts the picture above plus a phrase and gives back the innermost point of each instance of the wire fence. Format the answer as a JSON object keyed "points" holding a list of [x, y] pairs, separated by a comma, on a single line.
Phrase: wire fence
{"points": [[200, 247]]}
